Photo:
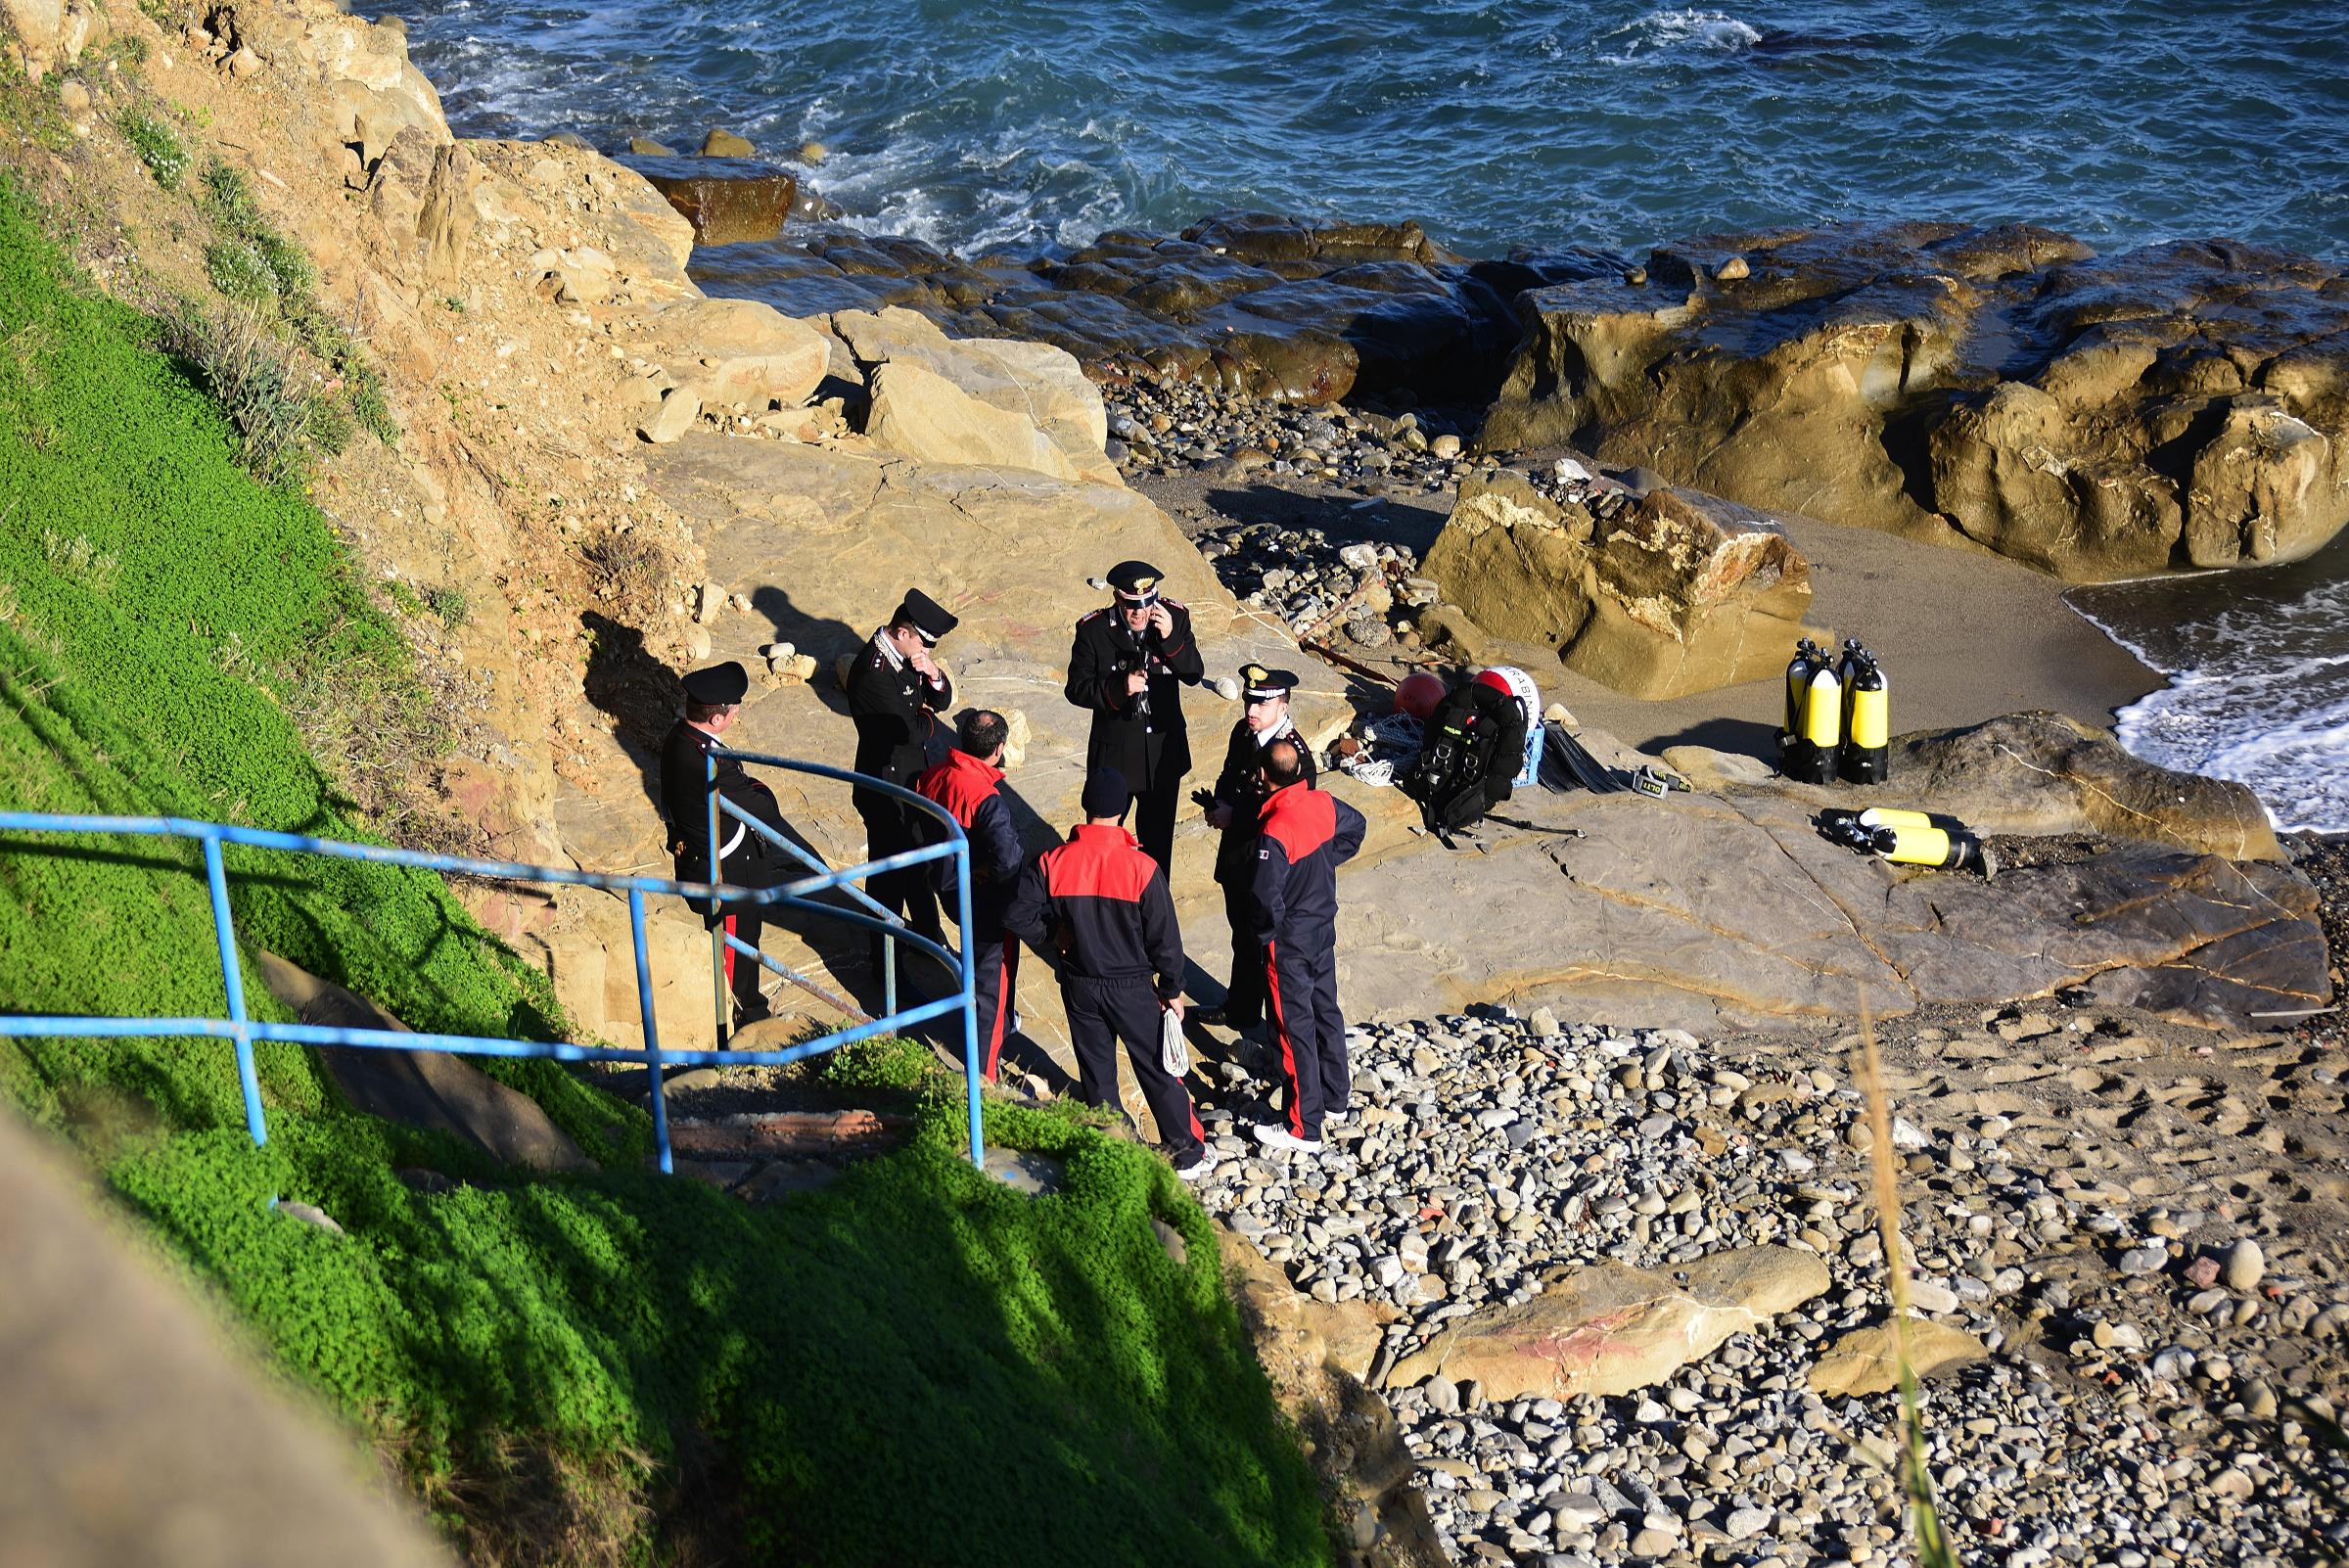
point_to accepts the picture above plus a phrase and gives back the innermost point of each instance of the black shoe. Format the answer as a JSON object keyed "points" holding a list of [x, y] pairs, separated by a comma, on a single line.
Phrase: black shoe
{"points": [[750, 1009]]}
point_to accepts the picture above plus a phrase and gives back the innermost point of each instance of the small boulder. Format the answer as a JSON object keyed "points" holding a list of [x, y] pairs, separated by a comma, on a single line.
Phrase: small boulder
{"points": [[1674, 595], [1866, 1361], [734, 204], [2244, 1265], [725, 144], [310, 1214], [679, 407]]}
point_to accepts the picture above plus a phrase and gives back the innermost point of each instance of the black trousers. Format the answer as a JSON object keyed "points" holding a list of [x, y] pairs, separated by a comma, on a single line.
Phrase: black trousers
{"points": [[1154, 824], [1102, 1012], [1244, 997], [1302, 980], [747, 867], [891, 827]]}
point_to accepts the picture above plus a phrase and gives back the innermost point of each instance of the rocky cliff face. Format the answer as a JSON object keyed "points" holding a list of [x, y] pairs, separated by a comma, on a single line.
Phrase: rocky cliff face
{"points": [[2180, 405]]}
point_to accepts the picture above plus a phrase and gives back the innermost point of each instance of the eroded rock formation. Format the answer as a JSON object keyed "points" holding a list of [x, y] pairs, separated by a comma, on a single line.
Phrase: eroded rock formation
{"points": [[2183, 404]]}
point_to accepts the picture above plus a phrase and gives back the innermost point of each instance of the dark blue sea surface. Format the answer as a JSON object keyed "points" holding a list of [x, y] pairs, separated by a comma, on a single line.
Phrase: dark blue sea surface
{"points": [[1030, 124]]}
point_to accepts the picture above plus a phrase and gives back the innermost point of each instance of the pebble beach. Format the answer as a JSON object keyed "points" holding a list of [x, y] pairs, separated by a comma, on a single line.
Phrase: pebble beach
{"points": [[2152, 1292]]}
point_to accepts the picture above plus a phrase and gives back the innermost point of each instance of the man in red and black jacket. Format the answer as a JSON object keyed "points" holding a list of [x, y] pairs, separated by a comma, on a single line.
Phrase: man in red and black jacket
{"points": [[969, 783], [1102, 905], [1302, 836]]}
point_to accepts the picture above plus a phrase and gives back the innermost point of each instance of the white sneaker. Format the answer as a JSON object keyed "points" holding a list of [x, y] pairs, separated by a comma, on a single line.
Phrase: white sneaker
{"points": [[1201, 1165], [1272, 1135]]}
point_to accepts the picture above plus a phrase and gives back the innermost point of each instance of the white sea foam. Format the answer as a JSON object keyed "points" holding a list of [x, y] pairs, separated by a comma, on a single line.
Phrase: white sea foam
{"points": [[1660, 31], [2258, 694]]}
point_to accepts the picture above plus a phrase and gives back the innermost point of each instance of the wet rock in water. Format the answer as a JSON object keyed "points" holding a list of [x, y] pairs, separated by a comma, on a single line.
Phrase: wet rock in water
{"points": [[1675, 594], [721, 143], [728, 201], [2183, 404]]}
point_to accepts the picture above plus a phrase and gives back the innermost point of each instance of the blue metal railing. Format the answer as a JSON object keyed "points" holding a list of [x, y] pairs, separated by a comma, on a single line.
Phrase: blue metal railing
{"points": [[801, 893]]}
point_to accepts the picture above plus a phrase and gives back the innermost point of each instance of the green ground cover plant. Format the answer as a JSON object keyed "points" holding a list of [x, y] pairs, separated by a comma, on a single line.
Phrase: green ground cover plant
{"points": [[913, 1364]]}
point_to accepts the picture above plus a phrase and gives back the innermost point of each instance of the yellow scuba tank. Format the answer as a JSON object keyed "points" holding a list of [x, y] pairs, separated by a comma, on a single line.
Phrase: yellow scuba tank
{"points": [[1932, 847], [1894, 816], [1821, 729], [1798, 681], [1868, 723]]}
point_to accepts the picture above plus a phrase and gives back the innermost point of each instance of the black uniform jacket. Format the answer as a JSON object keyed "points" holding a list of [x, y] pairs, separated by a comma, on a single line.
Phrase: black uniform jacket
{"points": [[892, 707], [686, 799], [1103, 905], [973, 792], [1241, 787], [1143, 737], [1303, 835]]}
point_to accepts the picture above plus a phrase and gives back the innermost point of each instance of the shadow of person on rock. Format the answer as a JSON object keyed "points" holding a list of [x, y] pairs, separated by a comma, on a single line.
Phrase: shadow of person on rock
{"points": [[822, 637], [1743, 737], [625, 682]]}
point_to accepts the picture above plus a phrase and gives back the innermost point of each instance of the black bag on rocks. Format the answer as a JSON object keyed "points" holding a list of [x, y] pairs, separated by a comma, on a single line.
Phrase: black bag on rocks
{"points": [[1471, 750]]}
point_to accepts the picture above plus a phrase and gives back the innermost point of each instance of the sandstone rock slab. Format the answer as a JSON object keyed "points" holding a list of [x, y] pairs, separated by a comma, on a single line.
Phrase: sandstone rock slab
{"points": [[1609, 1328], [739, 352], [1032, 385], [1866, 1360], [1729, 910], [924, 416], [2033, 774]]}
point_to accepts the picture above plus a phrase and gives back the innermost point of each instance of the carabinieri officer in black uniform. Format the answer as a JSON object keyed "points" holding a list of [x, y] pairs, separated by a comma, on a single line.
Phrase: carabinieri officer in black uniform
{"points": [[712, 700], [895, 692], [1238, 795], [1129, 666]]}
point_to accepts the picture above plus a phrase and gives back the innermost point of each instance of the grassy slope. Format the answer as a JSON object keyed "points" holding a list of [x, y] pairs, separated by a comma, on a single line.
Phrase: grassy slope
{"points": [[912, 1365]]}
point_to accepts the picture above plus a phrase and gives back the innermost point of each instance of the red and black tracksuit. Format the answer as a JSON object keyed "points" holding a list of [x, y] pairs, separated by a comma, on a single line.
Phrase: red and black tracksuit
{"points": [[1102, 905], [1241, 787], [1302, 836], [973, 791]]}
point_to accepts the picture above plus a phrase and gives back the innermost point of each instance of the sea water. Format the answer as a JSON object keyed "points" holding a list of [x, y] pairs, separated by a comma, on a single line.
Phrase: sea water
{"points": [[1031, 125], [2258, 667]]}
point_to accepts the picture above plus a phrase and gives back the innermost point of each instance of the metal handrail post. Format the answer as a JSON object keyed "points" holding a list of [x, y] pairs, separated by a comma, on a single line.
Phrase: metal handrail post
{"points": [[718, 911], [652, 1031], [232, 977], [970, 1007]]}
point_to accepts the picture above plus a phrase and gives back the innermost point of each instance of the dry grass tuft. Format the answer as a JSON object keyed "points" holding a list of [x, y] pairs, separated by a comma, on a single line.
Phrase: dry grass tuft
{"points": [[1932, 1545]]}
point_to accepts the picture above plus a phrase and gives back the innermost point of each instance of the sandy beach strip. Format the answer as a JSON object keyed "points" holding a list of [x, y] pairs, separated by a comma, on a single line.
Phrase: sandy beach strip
{"points": [[1961, 635]]}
